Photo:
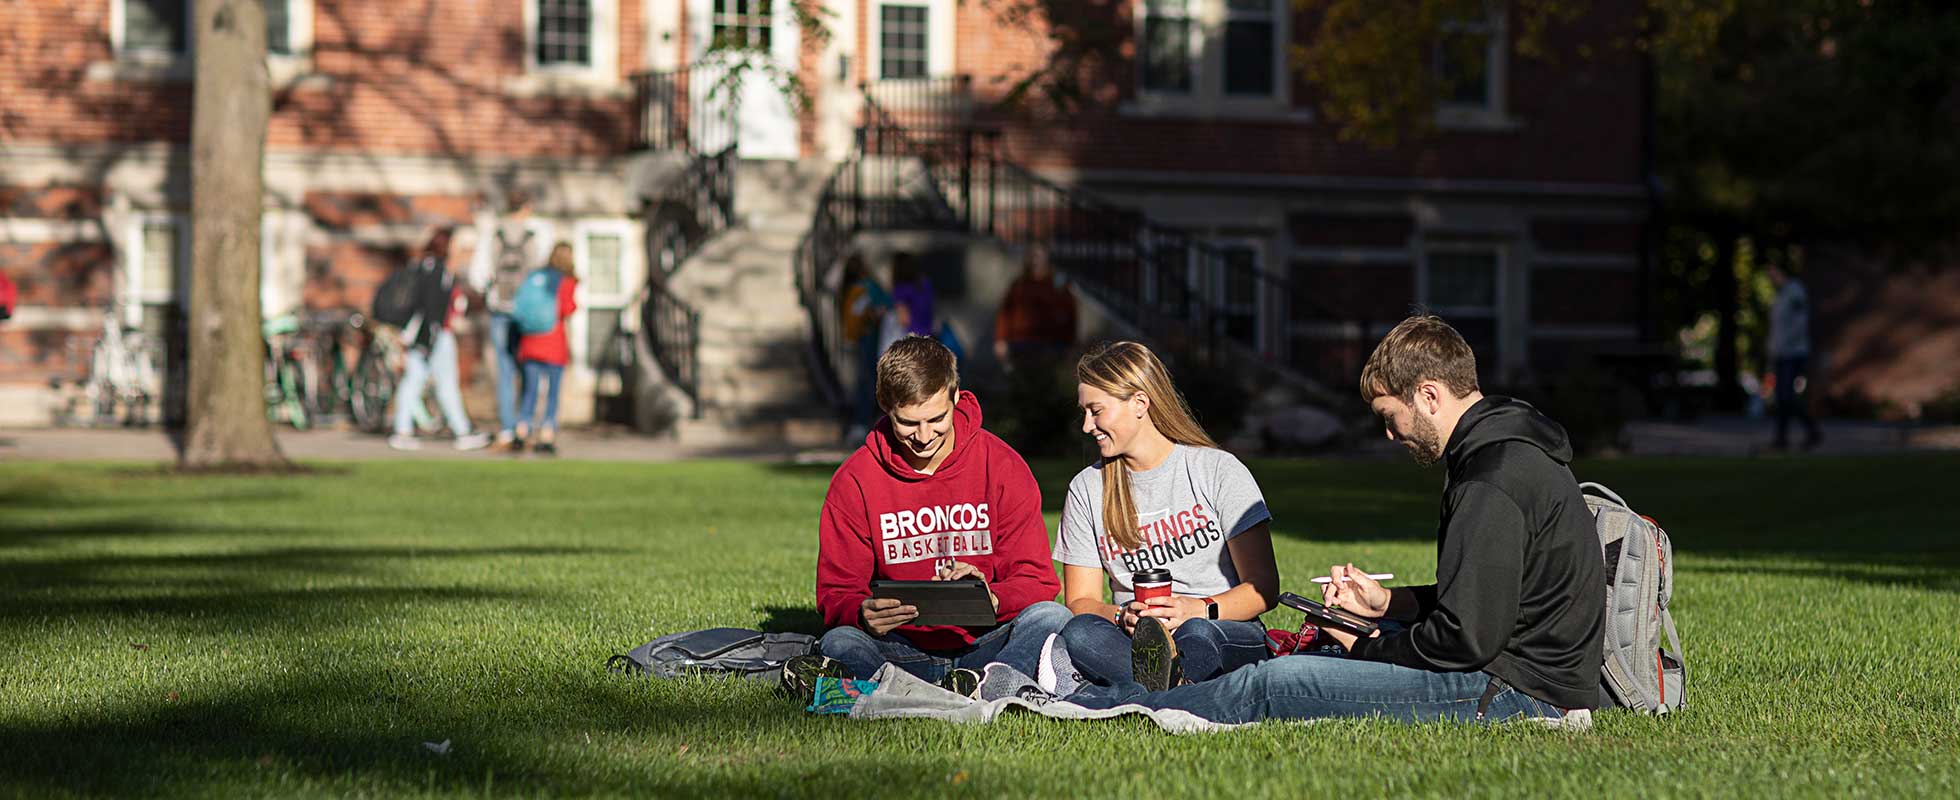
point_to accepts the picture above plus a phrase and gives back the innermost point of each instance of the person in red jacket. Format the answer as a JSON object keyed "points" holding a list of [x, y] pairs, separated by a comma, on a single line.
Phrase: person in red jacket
{"points": [[933, 496], [543, 356]]}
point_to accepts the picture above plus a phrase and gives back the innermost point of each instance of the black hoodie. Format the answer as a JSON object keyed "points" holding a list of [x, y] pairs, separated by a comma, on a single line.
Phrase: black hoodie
{"points": [[1519, 587]]}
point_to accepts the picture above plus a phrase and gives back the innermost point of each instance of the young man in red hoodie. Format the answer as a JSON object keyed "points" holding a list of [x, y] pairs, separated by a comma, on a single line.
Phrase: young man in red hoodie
{"points": [[932, 496]]}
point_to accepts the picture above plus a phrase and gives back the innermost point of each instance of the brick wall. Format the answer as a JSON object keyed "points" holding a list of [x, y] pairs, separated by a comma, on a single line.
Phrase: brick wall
{"points": [[1579, 115], [394, 76]]}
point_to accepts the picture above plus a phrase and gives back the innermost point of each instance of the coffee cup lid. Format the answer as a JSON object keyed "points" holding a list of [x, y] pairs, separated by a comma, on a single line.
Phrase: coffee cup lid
{"points": [[1152, 575]]}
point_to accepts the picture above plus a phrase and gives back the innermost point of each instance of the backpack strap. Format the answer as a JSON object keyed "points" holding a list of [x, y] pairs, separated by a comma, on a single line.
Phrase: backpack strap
{"points": [[1599, 490]]}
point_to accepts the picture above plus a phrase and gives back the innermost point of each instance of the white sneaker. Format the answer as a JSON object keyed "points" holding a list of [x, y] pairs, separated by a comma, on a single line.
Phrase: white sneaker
{"points": [[404, 442], [1578, 720], [473, 441]]}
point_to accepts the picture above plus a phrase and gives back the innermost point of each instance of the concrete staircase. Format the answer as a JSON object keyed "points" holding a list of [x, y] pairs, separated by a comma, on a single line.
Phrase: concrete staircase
{"points": [[755, 383]]}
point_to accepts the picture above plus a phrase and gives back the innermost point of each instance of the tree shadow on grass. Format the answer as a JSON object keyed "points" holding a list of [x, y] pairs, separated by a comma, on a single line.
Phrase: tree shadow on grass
{"points": [[787, 619]]}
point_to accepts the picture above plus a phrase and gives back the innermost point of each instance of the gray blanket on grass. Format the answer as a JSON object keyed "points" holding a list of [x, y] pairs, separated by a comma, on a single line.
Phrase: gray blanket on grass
{"points": [[902, 696]]}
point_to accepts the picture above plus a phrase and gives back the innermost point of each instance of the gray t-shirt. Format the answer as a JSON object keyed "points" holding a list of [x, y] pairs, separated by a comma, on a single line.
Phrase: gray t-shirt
{"points": [[1187, 508]]}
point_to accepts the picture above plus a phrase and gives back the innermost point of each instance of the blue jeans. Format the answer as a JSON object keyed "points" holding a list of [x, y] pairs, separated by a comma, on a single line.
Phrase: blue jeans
{"points": [[439, 362], [1209, 648], [503, 344], [537, 372], [1311, 687], [1016, 644]]}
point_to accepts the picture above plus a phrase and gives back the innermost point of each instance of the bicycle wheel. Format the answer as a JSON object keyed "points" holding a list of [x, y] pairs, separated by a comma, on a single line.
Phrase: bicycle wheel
{"points": [[292, 381], [373, 386]]}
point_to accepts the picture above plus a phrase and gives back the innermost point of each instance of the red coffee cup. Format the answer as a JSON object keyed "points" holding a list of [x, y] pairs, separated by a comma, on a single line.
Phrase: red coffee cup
{"points": [[1149, 583]]}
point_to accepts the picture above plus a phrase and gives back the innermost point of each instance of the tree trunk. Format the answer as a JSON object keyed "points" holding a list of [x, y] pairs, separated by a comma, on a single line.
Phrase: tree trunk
{"points": [[227, 426]]}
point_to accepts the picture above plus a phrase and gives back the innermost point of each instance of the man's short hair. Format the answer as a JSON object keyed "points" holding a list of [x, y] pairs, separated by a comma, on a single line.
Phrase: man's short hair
{"points": [[1422, 348], [915, 368]]}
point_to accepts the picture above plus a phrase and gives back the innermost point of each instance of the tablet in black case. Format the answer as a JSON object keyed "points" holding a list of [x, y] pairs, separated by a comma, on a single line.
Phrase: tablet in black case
{"points": [[962, 603]]}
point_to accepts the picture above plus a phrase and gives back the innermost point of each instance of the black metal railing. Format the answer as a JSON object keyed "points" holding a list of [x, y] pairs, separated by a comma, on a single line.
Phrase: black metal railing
{"points": [[673, 332], [950, 172], [684, 111]]}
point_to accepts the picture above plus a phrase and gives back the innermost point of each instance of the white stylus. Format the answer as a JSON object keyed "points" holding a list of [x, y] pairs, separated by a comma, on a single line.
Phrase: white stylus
{"points": [[1379, 576]]}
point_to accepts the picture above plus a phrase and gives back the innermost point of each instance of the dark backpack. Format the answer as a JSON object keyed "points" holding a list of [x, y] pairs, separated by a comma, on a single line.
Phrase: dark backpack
{"points": [[735, 652], [395, 303]]}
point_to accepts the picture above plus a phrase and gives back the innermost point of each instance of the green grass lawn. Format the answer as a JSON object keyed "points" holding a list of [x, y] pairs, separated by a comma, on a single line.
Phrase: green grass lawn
{"points": [[305, 636]]}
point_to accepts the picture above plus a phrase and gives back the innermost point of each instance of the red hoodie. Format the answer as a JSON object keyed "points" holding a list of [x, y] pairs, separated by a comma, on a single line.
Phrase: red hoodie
{"points": [[883, 519]]}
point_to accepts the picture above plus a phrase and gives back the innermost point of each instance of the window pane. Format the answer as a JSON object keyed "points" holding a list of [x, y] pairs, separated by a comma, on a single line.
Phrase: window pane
{"points": [[1249, 58], [602, 263], [600, 325], [1240, 285], [565, 32], [159, 257], [1463, 280], [155, 25], [278, 27], [742, 24], [902, 42], [1167, 54], [1463, 64]]}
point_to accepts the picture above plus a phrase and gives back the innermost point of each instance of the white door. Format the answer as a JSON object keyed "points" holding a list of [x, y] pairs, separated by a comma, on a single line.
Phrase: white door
{"points": [[766, 123]]}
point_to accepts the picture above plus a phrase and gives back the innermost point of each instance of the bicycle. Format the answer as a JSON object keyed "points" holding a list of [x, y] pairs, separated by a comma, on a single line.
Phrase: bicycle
{"points": [[121, 377], [288, 390]]}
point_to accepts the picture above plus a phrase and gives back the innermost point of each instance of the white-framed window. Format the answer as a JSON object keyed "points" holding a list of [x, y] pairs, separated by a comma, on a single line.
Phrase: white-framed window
{"points": [[609, 277], [1470, 64], [161, 30], [1167, 47], [1464, 284], [904, 36], [911, 39], [572, 37], [1212, 56], [1252, 48], [743, 24], [156, 264]]}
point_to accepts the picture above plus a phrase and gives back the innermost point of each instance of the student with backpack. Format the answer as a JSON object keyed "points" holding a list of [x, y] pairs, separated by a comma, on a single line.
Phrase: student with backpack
{"points": [[506, 248], [930, 496], [428, 298], [1512, 628], [1162, 496], [544, 301]]}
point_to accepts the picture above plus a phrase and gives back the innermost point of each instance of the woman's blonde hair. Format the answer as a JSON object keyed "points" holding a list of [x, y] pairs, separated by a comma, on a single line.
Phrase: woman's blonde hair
{"points": [[1123, 369], [564, 264]]}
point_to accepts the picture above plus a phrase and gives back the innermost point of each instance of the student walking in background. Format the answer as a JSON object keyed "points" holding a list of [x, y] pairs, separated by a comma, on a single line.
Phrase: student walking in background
{"points": [[506, 248], [1163, 497], [548, 295], [430, 347], [1789, 353], [1036, 320], [912, 298], [863, 309]]}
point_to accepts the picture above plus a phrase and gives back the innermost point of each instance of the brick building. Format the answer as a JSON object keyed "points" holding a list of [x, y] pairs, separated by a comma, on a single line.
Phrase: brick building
{"points": [[1522, 220]]}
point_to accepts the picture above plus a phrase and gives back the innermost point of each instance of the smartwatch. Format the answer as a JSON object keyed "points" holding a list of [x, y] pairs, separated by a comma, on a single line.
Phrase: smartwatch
{"points": [[1211, 607]]}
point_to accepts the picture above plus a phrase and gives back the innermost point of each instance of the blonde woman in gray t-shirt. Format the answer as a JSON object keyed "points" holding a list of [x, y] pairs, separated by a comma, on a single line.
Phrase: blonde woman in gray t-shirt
{"points": [[1162, 496]]}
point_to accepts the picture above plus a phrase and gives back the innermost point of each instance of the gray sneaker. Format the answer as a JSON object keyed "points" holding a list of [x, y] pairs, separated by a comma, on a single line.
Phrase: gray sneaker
{"points": [[1153, 656], [1003, 681], [1055, 672], [473, 441]]}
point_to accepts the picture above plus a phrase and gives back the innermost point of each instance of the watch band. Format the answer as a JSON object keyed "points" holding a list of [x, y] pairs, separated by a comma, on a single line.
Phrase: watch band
{"points": [[1211, 607]]}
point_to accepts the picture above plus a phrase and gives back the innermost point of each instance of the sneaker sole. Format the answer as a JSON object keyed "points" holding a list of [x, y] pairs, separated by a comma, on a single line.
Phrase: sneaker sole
{"points": [[1153, 656]]}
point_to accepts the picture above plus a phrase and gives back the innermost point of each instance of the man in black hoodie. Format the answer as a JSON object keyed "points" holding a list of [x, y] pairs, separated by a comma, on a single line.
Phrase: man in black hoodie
{"points": [[1512, 626]]}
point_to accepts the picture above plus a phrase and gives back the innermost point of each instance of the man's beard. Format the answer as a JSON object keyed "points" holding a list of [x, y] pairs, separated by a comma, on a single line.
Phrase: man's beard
{"points": [[1424, 444]]}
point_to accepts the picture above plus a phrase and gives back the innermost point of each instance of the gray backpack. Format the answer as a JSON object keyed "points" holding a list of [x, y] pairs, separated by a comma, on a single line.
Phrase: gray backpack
{"points": [[735, 652], [1641, 672]]}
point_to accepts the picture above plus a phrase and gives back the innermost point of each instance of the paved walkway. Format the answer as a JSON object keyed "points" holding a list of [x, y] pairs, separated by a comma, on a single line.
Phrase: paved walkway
{"points": [[1709, 436]]}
